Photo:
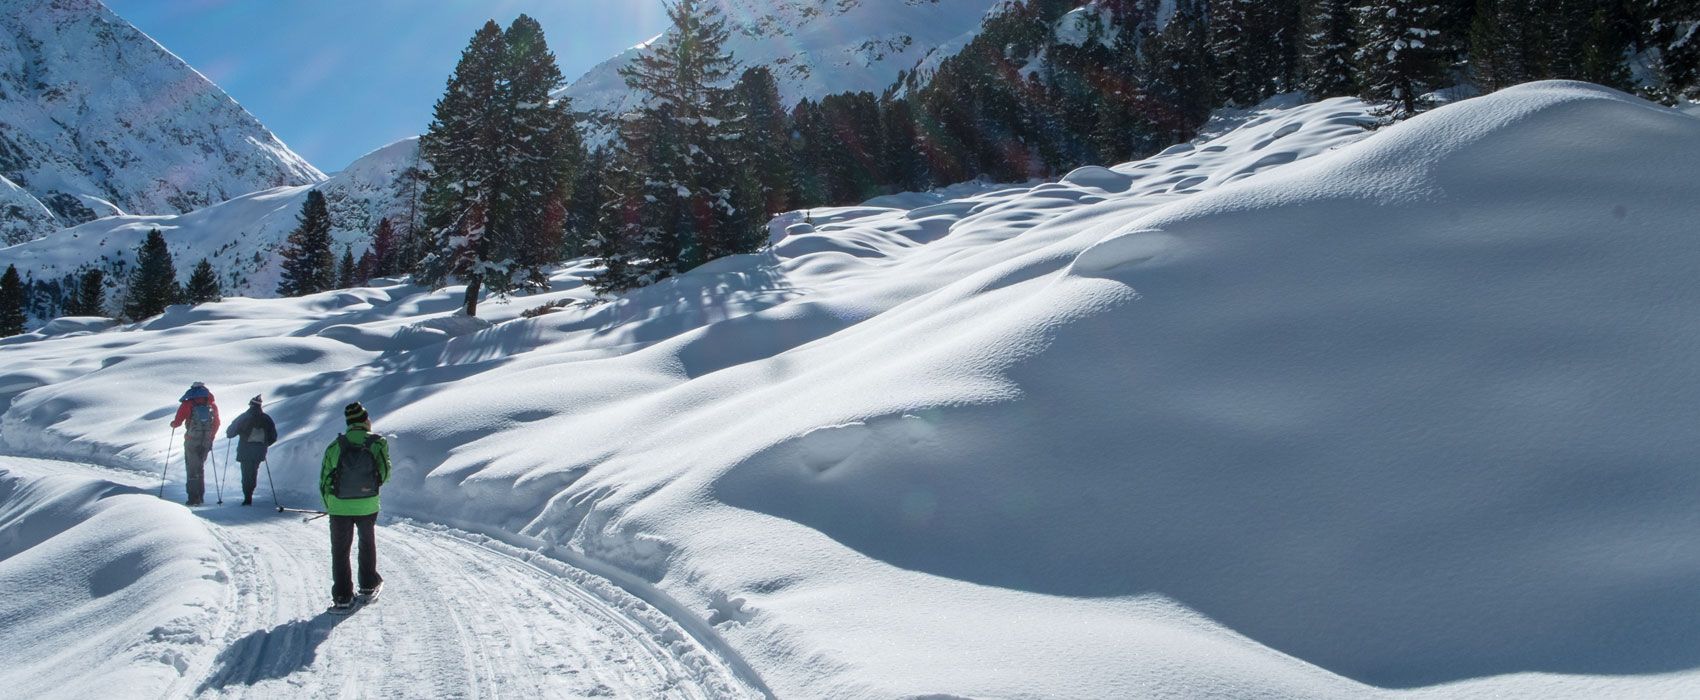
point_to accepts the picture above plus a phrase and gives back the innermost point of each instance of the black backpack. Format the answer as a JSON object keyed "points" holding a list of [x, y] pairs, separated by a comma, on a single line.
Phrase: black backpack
{"points": [[356, 474]]}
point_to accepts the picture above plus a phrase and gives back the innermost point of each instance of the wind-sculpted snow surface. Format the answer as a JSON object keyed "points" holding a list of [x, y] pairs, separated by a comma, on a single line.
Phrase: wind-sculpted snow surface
{"points": [[1302, 410], [101, 120], [105, 587]]}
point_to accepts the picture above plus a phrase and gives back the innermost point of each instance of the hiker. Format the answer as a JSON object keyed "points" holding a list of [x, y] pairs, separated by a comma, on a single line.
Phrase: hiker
{"points": [[356, 465], [199, 412], [254, 431]]}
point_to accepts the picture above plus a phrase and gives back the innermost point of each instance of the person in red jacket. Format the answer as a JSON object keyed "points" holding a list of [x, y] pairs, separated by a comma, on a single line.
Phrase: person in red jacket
{"points": [[199, 412]]}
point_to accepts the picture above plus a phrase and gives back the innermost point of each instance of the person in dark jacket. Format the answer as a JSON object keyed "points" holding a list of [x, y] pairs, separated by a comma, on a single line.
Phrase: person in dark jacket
{"points": [[199, 412], [253, 432], [356, 465]]}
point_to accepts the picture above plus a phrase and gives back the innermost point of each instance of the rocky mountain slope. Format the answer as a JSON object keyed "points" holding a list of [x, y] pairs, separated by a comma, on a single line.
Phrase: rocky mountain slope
{"points": [[815, 48], [98, 119]]}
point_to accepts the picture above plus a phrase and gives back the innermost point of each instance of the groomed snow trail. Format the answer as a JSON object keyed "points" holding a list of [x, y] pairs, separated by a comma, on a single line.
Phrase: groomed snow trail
{"points": [[457, 619]]}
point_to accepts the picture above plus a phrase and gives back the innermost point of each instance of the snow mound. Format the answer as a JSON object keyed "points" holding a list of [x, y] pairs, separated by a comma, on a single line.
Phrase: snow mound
{"points": [[106, 587], [1299, 410]]}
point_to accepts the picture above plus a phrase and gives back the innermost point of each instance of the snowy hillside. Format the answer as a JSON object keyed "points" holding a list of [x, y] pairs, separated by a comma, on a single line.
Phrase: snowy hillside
{"points": [[815, 48], [99, 119], [241, 236], [1301, 411]]}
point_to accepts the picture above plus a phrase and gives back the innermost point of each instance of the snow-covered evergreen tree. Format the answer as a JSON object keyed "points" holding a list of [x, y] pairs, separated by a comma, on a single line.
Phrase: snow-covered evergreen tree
{"points": [[1398, 56], [905, 169], [766, 137], [153, 282], [1244, 40], [1673, 29], [503, 155], [1328, 49], [203, 284], [12, 300], [347, 274], [678, 189], [90, 296], [309, 266], [382, 257]]}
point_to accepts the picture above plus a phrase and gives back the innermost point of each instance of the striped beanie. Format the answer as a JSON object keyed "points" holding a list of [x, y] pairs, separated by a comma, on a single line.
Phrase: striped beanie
{"points": [[355, 414]]}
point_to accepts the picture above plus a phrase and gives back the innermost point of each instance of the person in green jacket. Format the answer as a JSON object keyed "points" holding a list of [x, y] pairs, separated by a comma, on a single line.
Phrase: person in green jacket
{"points": [[356, 465]]}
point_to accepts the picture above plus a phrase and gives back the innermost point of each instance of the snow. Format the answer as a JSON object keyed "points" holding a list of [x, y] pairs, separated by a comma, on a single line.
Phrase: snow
{"points": [[105, 587], [230, 602], [242, 237], [1300, 410], [101, 118], [815, 48]]}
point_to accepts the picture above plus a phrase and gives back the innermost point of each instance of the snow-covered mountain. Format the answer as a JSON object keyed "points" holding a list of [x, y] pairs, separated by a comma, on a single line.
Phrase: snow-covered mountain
{"points": [[241, 236], [97, 119], [815, 48], [1300, 410]]}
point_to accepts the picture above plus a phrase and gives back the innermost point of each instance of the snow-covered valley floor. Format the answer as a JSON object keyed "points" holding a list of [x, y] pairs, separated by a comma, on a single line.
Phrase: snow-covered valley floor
{"points": [[1301, 410], [461, 616]]}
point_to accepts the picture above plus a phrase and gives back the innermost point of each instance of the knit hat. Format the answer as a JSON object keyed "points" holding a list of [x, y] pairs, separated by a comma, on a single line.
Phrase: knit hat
{"points": [[355, 414], [254, 401]]}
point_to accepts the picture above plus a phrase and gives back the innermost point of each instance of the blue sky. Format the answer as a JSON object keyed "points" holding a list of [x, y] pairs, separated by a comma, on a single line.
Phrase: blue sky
{"points": [[336, 79]]}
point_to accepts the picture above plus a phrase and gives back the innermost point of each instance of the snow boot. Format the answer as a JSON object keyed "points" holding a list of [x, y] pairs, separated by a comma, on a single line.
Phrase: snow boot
{"points": [[342, 607]]}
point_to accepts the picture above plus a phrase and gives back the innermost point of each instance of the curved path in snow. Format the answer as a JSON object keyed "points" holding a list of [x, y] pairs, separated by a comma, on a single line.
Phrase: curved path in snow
{"points": [[460, 617]]}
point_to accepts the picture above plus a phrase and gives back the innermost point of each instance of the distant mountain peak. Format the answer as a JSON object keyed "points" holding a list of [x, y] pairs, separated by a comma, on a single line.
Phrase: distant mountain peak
{"points": [[815, 48], [99, 119]]}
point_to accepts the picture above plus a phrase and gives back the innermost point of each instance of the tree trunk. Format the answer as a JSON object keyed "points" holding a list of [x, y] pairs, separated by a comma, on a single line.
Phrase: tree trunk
{"points": [[473, 284]]}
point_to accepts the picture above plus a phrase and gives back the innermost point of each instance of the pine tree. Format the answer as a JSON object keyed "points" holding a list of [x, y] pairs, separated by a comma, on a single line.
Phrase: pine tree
{"points": [[1178, 89], [503, 154], [153, 283], [464, 146], [1396, 61], [1243, 37], [12, 301], [90, 297], [678, 190], [1328, 49], [1605, 55], [309, 267], [411, 236], [345, 271], [766, 137], [382, 257], [203, 284], [1674, 31], [905, 170], [1123, 127], [584, 210]]}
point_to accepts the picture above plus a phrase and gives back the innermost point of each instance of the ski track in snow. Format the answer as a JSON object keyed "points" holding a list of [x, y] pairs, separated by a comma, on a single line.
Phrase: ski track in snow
{"points": [[457, 619]]}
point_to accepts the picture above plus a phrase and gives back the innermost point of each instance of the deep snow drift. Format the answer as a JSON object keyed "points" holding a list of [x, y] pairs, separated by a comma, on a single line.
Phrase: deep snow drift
{"points": [[100, 578], [1298, 411]]}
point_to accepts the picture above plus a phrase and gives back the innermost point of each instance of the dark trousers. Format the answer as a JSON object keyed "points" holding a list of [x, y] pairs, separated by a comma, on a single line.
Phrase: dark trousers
{"points": [[195, 451], [343, 528], [250, 478]]}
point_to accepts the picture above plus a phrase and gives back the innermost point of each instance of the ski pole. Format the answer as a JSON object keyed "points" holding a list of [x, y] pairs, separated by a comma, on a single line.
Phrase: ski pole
{"points": [[315, 517], [162, 470], [272, 484], [223, 471]]}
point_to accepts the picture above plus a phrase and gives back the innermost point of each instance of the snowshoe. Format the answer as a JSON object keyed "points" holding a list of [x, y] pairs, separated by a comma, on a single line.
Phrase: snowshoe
{"points": [[341, 607]]}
